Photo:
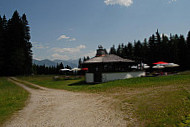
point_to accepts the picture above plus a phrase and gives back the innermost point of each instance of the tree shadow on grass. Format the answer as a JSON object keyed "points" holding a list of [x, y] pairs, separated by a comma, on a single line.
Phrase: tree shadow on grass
{"points": [[82, 83]]}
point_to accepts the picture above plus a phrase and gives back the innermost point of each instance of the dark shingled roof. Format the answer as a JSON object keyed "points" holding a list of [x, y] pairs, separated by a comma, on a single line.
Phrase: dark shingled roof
{"points": [[108, 59]]}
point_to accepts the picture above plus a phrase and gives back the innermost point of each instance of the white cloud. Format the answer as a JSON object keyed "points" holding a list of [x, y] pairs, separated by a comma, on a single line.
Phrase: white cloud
{"points": [[69, 50], [41, 47], [171, 1], [66, 37], [37, 57], [38, 45], [35, 42], [58, 56], [126, 3], [90, 54], [63, 37], [72, 39]]}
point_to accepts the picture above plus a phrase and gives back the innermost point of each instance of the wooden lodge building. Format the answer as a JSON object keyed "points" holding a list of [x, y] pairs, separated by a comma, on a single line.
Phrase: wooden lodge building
{"points": [[108, 67]]}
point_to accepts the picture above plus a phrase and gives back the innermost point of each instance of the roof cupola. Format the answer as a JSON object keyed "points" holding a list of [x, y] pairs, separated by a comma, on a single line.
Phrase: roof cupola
{"points": [[101, 51]]}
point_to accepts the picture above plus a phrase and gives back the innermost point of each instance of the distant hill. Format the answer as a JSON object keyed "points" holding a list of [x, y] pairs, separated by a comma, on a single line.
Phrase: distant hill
{"points": [[46, 62]]}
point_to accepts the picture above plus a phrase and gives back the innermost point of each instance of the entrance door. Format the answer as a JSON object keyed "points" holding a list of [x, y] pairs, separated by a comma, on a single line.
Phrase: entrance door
{"points": [[97, 77]]}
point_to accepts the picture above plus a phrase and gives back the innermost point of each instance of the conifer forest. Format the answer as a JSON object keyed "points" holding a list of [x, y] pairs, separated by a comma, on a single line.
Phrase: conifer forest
{"points": [[15, 46]]}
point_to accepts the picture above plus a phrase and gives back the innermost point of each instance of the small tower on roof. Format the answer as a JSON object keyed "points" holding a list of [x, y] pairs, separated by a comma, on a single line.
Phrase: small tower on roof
{"points": [[101, 51]]}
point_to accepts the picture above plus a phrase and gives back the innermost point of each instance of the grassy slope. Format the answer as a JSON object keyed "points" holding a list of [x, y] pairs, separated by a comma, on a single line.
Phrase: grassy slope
{"points": [[47, 81], [156, 101], [80, 85], [12, 98]]}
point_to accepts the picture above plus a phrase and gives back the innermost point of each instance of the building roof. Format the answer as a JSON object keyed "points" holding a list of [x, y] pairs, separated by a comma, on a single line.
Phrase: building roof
{"points": [[108, 59]]}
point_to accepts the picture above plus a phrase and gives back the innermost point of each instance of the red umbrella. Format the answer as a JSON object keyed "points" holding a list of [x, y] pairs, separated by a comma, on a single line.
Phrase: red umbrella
{"points": [[161, 62], [85, 69]]}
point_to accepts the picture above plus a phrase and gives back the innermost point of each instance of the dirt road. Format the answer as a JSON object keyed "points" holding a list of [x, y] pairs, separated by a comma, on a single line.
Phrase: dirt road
{"points": [[60, 108]]}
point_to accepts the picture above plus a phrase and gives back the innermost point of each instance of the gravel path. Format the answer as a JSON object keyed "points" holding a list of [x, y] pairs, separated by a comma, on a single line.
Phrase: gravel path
{"points": [[59, 108]]}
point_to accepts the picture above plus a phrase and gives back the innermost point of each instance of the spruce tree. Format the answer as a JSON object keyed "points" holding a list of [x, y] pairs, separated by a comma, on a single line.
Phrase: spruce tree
{"points": [[158, 46], [1, 46], [176, 50], [61, 66], [80, 63], [182, 52], [188, 50], [119, 50], [138, 51], [151, 50], [112, 50], [15, 46], [125, 50], [87, 58], [3, 42], [27, 46], [130, 50], [145, 51]]}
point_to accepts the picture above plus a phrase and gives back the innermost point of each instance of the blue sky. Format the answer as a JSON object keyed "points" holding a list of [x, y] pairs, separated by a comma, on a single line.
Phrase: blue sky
{"points": [[69, 29]]}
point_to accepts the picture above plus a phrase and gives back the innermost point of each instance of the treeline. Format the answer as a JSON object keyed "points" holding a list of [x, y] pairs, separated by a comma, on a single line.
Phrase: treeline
{"points": [[42, 69], [159, 47], [82, 60], [15, 47]]}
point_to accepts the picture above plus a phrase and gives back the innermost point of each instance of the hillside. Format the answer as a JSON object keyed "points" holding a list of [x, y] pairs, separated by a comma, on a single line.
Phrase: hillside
{"points": [[151, 101]]}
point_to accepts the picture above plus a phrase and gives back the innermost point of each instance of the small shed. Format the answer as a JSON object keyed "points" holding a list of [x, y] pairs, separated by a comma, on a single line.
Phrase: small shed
{"points": [[107, 67]]}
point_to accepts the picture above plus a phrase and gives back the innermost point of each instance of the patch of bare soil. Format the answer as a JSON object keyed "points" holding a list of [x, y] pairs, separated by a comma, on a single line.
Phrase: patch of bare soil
{"points": [[60, 108]]}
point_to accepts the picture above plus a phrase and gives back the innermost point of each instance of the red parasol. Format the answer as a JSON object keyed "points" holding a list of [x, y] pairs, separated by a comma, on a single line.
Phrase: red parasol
{"points": [[161, 62], [85, 69]]}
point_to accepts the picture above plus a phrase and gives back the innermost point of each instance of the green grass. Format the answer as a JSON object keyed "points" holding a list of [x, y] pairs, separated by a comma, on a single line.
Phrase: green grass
{"points": [[80, 85], [25, 83], [185, 122], [48, 81], [161, 107], [156, 101], [12, 99]]}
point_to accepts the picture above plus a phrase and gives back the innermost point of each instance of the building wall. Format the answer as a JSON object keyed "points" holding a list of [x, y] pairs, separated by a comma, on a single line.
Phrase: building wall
{"points": [[89, 77], [123, 75], [114, 76]]}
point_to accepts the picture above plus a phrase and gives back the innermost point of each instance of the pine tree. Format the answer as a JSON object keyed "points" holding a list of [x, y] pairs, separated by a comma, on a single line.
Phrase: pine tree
{"points": [[15, 45], [125, 51], [1, 45], [151, 50], [3, 42], [176, 50], [87, 58], [119, 50], [27, 46], [84, 59], [164, 52], [158, 46], [68, 67], [182, 52], [188, 50], [138, 51], [80, 63], [113, 50], [61, 66], [145, 51], [130, 51]]}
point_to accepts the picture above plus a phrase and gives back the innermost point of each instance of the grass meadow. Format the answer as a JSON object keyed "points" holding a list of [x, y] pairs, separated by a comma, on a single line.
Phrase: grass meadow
{"points": [[12, 99], [154, 101]]}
